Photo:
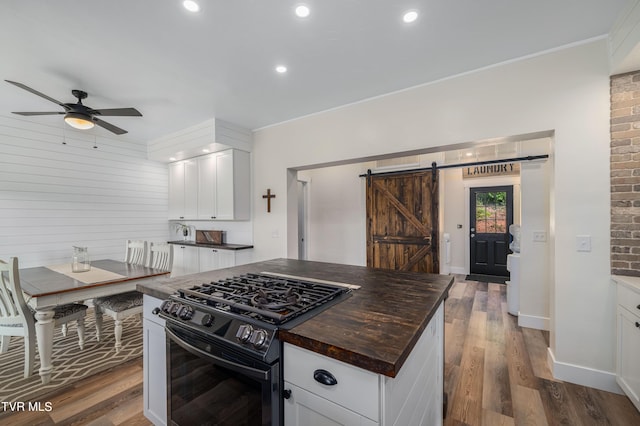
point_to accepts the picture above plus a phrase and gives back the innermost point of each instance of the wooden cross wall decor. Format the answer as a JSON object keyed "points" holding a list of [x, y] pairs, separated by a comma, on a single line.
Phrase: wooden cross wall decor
{"points": [[269, 196]]}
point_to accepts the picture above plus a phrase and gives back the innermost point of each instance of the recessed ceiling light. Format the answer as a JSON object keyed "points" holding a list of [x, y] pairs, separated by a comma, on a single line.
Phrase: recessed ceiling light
{"points": [[281, 69], [302, 11], [410, 16], [191, 5]]}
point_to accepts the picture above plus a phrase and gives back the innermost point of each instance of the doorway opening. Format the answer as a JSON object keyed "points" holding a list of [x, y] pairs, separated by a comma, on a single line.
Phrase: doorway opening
{"points": [[303, 209]]}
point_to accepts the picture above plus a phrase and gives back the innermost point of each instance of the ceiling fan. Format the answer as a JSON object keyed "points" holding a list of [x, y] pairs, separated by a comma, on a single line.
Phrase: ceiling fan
{"points": [[81, 116]]}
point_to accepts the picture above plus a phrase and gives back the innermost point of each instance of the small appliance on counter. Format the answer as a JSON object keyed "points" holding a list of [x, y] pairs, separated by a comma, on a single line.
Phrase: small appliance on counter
{"points": [[209, 237]]}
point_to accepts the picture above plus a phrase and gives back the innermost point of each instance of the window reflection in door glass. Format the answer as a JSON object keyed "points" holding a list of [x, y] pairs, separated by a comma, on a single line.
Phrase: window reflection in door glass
{"points": [[491, 212]]}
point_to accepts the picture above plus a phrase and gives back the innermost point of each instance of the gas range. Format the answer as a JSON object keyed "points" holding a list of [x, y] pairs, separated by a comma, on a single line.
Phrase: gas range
{"points": [[246, 311]]}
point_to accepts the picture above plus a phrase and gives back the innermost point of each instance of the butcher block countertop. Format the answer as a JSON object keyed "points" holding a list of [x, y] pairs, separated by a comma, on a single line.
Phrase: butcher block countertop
{"points": [[375, 328]]}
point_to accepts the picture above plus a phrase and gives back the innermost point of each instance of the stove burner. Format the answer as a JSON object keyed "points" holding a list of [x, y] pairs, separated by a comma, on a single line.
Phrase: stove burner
{"points": [[275, 300], [266, 298]]}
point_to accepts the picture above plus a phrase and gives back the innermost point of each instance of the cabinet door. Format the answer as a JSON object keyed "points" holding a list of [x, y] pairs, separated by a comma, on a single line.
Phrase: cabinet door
{"points": [[154, 364], [176, 190], [628, 367], [305, 408], [185, 261], [211, 259], [183, 190], [207, 187], [190, 189], [224, 186]]}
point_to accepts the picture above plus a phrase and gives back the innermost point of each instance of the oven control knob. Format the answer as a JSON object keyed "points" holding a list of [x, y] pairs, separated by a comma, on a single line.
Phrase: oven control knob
{"points": [[244, 333], [166, 306], [174, 308], [207, 320], [185, 312], [259, 339]]}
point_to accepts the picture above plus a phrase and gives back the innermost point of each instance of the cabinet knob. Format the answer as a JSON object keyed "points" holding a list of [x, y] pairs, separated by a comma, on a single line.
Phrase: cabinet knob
{"points": [[324, 377], [638, 307], [286, 394], [637, 324]]}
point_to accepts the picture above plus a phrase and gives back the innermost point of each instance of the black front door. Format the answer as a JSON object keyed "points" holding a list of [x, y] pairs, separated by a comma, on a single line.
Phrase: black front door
{"points": [[491, 214]]}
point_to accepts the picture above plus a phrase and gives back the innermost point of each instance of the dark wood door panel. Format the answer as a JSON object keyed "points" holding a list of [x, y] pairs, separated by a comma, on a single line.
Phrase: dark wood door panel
{"points": [[402, 220]]}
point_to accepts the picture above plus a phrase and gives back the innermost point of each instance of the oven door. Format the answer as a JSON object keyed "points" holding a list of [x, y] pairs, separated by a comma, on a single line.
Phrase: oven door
{"points": [[210, 384]]}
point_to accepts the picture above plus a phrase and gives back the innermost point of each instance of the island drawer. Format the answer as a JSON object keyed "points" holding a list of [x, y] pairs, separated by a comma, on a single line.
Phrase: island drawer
{"points": [[629, 299], [356, 389]]}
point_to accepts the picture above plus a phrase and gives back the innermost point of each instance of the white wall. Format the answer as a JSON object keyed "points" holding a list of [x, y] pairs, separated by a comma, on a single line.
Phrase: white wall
{"points": [[55, 196], [534, 280], [566, 91], [337, 214]]}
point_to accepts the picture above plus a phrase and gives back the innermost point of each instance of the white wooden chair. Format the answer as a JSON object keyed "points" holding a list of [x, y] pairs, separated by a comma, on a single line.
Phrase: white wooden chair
{"points": [[121, 306], [160, 256], [16, 317], [136, 252]]}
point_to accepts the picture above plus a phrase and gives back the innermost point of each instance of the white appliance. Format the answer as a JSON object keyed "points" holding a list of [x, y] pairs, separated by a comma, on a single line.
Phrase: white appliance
{"points": [[513, 285]]}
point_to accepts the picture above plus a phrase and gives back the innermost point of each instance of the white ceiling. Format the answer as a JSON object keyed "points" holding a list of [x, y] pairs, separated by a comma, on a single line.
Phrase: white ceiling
{"points": [[180, 69]]}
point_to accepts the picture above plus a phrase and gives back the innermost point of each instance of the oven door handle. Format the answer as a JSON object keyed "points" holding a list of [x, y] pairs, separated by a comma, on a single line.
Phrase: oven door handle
{"points": [[248, 371]]}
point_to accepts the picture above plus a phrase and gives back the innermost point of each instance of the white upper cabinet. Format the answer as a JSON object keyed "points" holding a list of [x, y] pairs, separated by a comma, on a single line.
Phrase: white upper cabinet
{"points": [[211, 187], [183, 190]]}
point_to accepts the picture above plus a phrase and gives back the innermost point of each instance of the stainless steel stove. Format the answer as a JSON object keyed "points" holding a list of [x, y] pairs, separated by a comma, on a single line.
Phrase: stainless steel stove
{"points": [[227, 331]]}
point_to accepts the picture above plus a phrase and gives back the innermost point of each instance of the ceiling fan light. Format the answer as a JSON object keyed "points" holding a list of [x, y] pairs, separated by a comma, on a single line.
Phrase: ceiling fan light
{"points": [[78, 121]]}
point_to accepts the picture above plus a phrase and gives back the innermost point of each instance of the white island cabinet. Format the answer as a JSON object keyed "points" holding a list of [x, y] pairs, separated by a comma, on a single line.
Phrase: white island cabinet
{"points": [[360, 397], [628, 337], [154, 363]]}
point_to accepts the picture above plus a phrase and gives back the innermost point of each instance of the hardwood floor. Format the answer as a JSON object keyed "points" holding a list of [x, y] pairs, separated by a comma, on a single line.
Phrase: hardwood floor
{"points": [[495, 374], [113, 397]]}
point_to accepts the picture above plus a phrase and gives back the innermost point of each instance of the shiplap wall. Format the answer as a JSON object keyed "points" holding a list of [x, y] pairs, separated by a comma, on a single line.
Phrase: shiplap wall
{"points": [[54, 196]]}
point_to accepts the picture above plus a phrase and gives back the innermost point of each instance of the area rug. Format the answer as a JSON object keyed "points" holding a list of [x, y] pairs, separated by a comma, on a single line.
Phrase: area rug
{"points": [[70, 363], [486, 278]]}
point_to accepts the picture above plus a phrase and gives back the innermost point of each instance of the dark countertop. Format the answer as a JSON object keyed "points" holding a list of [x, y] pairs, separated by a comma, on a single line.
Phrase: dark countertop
{"points": [[374, 329], [216, 246]]}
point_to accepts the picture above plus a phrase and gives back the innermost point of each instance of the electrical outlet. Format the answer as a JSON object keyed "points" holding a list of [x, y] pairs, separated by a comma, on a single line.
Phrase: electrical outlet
{"points": [[539, 236]]}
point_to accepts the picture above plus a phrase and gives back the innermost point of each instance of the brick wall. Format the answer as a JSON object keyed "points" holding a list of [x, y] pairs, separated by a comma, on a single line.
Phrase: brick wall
{"points": [[625, 174]]}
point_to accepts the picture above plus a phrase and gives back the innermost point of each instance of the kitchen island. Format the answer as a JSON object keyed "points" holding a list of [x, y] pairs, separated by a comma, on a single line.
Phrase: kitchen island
{"points": [[393, 320]]}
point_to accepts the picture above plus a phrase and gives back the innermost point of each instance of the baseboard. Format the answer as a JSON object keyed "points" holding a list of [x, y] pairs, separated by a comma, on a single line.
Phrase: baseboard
{"points": [[585, 376], [532, 321], [457, 270]]}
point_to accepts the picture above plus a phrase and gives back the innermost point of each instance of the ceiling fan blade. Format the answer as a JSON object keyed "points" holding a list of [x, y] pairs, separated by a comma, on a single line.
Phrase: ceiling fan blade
{"points": [[39, 113], [35, 92], [110, 127], [122, 112]]}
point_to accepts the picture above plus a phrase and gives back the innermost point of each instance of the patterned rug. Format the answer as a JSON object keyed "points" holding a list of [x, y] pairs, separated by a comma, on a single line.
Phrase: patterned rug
{"points": [[70, 363]]}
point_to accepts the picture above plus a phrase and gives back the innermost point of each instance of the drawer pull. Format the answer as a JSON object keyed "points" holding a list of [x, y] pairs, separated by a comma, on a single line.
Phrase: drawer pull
{"points": [[324, 377], [637, 324], [638, 307]]}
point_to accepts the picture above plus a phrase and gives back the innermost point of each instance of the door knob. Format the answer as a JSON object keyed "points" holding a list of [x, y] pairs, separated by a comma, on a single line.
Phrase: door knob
{"points": [[473, 229], [473, 235]]}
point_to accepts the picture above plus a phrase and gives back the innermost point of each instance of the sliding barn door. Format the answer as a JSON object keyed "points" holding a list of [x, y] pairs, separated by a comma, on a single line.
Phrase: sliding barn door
{"points": [[402, 221]]}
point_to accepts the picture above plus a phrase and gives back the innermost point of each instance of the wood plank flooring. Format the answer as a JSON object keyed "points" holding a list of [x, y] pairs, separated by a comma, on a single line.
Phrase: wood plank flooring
{"points": [[495, 374], [110, 398]]}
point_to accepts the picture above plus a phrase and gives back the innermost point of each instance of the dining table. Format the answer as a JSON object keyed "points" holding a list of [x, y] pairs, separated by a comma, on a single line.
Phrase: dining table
{"points": [[46, 287]]}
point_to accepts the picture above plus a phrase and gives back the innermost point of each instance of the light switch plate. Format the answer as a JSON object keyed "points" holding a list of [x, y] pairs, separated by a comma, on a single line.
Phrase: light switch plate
{"points": [[539, 236], [583, 242]]}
